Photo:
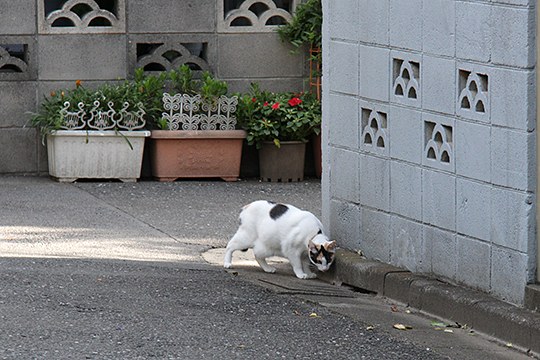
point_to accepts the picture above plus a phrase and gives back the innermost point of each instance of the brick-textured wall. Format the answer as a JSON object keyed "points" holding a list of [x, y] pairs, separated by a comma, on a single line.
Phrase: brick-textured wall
{"points": [[38, 53], [429, 132]]}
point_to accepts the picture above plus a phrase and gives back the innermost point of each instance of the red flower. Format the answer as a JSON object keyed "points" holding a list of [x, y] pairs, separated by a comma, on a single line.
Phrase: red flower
{"points": [[295, 101], [265, 103], [275, 106], [253, 99]]}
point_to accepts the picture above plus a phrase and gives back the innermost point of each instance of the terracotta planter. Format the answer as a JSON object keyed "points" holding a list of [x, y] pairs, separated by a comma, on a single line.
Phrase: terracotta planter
{"points": [[178, 154], [283, 164], [81, 154]]}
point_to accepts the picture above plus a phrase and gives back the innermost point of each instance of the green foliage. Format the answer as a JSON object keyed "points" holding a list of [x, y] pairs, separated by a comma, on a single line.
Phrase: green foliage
{"points": [[146, 89], [277, 117], [305, 26]]}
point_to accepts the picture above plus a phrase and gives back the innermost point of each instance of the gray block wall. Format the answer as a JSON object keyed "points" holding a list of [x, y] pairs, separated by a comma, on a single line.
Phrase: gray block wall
{"points": [[429, 137], [38, 54]]}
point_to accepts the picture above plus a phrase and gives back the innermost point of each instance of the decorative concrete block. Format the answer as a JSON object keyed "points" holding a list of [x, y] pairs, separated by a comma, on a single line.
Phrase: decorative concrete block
{"points": [[408, 138], [406, 190], [512, 219], [247, 56], [345, 219], [407, 245], [473, 92], [513, 36], [473, 263], [513, 159], [170, 16], [343, 116], [343, 74], [439, 150], [18, 17], [438, 84], [106, 53], [473, 150], [61, 17], [18, 58], [438, 199], [164, 52], [439, 22], [374, 182], [344, 175], [22, 154], [373, 27], [473, 209], [406, 78], [376, 235], [343, 19], [507, 271], [374, 75], [474, 31], [16, 100], [442, 245], [253, 16], [374, 137], [513, 98], [406, 24]]}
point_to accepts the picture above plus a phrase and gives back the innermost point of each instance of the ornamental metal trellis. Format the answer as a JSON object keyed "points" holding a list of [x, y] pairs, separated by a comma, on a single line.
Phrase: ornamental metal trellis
{"points": [[192, 112], [99, 119]]}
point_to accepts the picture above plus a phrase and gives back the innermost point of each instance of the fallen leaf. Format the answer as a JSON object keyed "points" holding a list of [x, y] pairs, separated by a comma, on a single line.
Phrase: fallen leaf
{"points": [[313, 315], [448, 331], [509, 345], [370, 327], [394, 308], [408, 311], [438, 324], [402, 327]]}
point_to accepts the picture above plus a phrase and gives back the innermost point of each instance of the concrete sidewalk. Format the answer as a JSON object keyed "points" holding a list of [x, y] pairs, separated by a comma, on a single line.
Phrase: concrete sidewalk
{"points": [[189, 222]]}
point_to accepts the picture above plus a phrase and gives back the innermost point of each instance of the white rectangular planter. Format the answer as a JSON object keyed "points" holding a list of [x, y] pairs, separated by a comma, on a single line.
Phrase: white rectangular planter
{"points": [[79, 154]]}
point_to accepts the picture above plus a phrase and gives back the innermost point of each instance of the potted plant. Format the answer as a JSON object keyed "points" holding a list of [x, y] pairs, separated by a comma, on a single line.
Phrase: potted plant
{"points": [[96, 134], [196, 136], [279, 125], [305, 31]]}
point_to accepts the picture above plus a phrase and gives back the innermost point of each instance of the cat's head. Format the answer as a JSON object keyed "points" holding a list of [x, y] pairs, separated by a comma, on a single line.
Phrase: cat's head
{"points": [[322, 252]]}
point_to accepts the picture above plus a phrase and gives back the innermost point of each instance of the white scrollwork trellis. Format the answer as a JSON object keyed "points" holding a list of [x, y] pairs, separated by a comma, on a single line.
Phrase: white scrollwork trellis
{"points": [[186, 112], [99, 119]]}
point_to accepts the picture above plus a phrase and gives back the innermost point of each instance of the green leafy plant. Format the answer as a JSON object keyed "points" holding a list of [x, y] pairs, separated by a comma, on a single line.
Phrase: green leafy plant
{"points": [[144, 90], [305, 26], [277, 117]]}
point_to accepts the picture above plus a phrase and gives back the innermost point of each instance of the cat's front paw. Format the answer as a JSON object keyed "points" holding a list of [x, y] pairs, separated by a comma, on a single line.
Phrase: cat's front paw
{"points": [[227, 265], [269, 269], [306, 276]]}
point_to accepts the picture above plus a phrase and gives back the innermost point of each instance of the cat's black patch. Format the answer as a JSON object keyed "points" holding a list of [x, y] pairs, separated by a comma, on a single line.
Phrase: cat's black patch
{"points": [[244, 250], [278, 210], [320, 232]]}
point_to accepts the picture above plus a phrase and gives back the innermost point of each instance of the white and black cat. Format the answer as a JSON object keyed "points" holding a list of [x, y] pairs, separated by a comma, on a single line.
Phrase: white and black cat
{"points": [[282, 230]]}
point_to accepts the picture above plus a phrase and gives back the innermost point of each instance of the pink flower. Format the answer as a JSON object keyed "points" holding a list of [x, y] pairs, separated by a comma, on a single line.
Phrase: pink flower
{"points": [[295, 101]]}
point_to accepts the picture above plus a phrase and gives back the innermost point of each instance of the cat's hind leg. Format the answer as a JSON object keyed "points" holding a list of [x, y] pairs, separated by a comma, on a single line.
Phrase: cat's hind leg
{"points": [[239, 241]]}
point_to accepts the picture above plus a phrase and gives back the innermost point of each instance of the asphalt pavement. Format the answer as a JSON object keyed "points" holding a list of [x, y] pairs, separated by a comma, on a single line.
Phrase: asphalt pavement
{"points": [[107, 270]]}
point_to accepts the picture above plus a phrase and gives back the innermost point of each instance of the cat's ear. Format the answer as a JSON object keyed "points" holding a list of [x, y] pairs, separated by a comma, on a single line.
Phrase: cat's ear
{"points": [[312, 247], [331, 246]]}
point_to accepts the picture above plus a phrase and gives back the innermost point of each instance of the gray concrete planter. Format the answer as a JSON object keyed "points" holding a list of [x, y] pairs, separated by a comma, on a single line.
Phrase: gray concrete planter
{"points": [[94, 154]]}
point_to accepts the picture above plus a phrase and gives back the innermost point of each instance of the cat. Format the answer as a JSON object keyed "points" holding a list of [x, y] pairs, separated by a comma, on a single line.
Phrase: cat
{"points": [[272, 229]]}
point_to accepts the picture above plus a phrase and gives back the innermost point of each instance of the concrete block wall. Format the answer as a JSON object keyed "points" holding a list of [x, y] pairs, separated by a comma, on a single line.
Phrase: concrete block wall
{"points": [[44, 46], [429, 137]]}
